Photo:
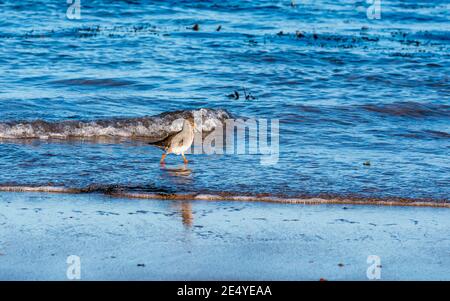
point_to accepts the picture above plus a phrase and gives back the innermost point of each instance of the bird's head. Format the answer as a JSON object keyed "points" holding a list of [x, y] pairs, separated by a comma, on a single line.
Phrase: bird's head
{"points": [[191, 122]]}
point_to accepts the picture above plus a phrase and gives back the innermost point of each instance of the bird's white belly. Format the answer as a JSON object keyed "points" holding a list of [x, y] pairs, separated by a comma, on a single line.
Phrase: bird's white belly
{"points": [[178, 150]]}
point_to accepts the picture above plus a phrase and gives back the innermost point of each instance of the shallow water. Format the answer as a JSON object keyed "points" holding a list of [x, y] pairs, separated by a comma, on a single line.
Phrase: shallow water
{"points": [[345, 89]]}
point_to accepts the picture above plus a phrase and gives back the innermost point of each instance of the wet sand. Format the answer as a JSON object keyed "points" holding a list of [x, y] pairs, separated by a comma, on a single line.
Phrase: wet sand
{"points": [[132, 239]]}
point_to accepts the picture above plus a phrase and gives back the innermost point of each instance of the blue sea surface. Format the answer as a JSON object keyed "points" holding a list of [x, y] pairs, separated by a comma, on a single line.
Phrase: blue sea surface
{"points": [[347, 90]]}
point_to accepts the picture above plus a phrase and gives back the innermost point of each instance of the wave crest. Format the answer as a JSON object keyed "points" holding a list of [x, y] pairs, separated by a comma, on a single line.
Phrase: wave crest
{"points": [[150, 127]]}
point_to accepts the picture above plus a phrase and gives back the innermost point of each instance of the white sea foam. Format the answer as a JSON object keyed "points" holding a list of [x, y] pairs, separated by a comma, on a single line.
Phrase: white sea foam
{"points": [[122, 192], [153, 127]]}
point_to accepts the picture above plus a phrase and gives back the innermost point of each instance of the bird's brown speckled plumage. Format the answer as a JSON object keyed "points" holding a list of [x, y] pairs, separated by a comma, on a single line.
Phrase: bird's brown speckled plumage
{"points": [[178, 143]]}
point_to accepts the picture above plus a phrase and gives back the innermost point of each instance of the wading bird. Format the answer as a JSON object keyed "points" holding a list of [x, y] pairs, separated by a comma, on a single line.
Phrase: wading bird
{"points": [[178, 143]]}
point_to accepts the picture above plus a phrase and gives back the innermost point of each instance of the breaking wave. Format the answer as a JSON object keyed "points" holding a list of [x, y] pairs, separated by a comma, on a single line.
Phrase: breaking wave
{"points": [[148, 127]]}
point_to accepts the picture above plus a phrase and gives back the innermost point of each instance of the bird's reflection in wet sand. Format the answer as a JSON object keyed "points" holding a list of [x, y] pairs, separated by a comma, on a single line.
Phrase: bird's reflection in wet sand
{"points": [[186, 214], [184, 210]]}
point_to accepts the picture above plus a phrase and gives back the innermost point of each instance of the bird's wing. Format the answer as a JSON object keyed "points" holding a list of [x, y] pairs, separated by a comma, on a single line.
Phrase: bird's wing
{"points": [[177, 141], [164, 143]]}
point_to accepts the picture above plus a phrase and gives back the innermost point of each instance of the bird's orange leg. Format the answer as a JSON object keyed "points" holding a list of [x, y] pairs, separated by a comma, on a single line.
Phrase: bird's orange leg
{"points": [[162, 158], [184, 159]]}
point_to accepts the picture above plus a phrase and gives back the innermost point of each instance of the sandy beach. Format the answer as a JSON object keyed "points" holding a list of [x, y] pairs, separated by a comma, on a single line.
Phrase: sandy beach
{"points": [[131, 239]]}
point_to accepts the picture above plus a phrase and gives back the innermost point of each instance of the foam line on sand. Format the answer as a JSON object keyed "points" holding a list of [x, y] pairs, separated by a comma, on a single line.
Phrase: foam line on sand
{"points": [[230, 197]]}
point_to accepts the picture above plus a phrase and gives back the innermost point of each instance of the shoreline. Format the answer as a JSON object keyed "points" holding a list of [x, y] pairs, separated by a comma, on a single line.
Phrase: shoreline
{"points": [[386, 201]]}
